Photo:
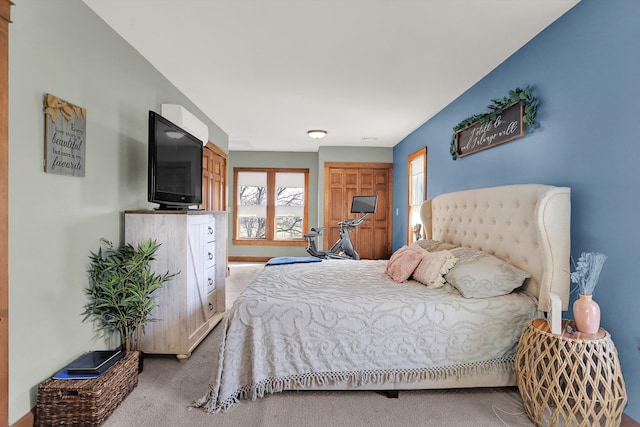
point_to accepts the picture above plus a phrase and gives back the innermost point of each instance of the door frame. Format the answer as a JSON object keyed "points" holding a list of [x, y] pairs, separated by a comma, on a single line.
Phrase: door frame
{"points": [[5, 19], [356, 165]]}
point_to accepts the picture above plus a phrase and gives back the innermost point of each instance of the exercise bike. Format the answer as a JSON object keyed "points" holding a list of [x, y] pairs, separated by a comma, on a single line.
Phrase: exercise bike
{"points": [[343, 247]]}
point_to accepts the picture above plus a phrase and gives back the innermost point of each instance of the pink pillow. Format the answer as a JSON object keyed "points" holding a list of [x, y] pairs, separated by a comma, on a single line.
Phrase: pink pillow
{"points": [[433, 267], [403, 262]]}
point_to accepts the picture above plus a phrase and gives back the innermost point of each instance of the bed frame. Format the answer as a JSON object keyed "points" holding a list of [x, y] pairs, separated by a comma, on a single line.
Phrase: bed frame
{"points": [[527, 225]]}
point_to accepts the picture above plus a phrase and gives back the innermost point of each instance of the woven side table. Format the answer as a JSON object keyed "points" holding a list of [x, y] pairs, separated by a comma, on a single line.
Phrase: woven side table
{"points": [[569, 379]]}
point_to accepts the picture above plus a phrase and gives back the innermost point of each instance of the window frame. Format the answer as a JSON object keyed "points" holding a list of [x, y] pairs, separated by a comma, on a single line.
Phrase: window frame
{"points": [[422, 152], [270, 231]]}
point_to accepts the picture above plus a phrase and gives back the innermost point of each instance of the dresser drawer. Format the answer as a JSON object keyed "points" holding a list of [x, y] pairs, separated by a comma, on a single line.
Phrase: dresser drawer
{"points": [[211, 229], [210, 254], [211, 299], [211, 278]]}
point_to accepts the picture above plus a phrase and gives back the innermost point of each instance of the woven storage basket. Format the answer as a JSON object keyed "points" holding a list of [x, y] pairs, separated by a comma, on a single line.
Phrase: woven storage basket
{"points": [[569, 380], [86, 402]]}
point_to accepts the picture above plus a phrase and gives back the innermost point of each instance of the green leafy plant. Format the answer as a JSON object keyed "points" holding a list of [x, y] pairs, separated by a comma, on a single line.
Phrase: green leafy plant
{"points": [[520, 96], [121, 288]]}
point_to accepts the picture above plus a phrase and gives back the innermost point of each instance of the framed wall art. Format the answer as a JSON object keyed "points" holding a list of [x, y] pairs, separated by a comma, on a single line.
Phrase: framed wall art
{"points": [[508, 118], [65, 137]]}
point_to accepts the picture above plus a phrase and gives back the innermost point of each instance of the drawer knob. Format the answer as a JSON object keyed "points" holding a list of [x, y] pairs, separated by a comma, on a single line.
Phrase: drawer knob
{"points": [[210, 230], [210, 281], [210, 307], [210, 255]]}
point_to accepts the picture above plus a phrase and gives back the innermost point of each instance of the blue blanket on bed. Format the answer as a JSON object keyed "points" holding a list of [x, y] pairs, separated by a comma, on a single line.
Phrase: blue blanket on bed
{"points": [[291, 260]]}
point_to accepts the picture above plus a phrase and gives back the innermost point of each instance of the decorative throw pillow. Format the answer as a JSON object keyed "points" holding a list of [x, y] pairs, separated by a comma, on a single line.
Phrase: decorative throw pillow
{"points": [[480, 275], [433, 245], [433, 266], [403, 262]]}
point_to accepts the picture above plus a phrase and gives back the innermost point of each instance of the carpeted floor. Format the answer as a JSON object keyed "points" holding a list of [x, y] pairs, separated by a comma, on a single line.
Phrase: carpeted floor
{"points": [[167, 386]]}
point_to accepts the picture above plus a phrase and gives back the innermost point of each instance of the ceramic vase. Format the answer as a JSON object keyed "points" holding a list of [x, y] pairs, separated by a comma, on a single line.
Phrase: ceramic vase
{"points": [[586, 313]]}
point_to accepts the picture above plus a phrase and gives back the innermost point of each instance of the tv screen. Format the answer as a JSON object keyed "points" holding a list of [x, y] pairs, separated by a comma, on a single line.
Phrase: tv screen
{"points": [[364, 204], [175, 165]]}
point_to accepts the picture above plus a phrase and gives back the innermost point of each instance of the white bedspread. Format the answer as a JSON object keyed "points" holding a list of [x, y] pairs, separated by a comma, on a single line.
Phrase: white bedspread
{"points": [[301, 325]]}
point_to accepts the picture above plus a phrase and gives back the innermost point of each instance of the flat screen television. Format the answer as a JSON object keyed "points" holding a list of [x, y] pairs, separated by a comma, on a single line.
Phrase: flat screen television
{"points": [[175, 165], [364, 204]]}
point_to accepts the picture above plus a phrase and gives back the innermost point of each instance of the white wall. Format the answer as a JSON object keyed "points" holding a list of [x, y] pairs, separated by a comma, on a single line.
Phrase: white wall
{"points": [[61, 47]]}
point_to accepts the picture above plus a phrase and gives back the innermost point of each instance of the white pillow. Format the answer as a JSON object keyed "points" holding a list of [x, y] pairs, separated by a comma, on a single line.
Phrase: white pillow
{"points": [[480, 275]]}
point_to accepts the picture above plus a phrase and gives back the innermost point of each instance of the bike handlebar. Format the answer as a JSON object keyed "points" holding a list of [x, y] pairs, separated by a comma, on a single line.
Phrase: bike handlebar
{"points": [[353, 222]]}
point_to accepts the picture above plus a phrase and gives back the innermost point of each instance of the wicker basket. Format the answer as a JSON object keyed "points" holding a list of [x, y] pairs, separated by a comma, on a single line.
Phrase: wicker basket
{"points": [[569, 380], [86, 402]]}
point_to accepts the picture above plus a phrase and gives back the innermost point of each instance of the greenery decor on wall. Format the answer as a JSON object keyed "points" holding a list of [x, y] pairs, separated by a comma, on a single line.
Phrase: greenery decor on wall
{"points": [[527, 107]]}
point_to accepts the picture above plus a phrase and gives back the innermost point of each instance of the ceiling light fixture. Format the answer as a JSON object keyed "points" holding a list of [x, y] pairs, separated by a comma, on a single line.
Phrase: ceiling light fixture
{"points": [[317, 133]]}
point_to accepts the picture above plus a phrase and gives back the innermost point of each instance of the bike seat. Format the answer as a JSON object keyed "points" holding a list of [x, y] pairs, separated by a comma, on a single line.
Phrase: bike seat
{"points": [[317, 229]]}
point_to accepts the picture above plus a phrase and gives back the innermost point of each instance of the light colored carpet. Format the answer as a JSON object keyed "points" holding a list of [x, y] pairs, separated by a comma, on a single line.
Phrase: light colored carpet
{"points": [[167, 386]]}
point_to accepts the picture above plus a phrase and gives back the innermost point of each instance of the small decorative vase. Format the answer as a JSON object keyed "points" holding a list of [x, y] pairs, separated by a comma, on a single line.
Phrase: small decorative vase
{"points": [[586, 313]]}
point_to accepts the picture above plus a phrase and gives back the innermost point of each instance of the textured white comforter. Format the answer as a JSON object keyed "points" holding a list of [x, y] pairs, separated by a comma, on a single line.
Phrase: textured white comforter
{"points": [[300, 325]]}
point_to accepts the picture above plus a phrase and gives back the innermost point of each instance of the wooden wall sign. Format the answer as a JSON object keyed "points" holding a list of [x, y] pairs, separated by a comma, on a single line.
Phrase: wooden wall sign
{"points": [[480, 136], [508, 118], [65, 137]]}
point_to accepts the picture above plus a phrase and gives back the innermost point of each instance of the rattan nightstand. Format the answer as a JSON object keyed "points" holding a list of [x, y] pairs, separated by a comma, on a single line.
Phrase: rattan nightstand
{"points": [[569, 379]]}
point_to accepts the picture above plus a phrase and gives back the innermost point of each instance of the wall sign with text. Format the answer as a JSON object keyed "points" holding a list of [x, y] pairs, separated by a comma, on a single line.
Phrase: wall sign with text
{"points": [[508, 118], [65, 137], [480, 136]]}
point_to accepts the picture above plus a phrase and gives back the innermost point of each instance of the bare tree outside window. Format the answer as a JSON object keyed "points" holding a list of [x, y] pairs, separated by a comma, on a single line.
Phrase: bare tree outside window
{"points": [[252, 226], [289, 226], [270, 206]]}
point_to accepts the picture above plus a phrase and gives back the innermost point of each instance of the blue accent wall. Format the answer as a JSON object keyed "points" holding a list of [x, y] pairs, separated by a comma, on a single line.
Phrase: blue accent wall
{"points": [[585, 70]]}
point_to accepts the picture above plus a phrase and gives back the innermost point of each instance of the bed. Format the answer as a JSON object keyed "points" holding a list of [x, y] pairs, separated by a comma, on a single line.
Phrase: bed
{"points": [[345, 324]]}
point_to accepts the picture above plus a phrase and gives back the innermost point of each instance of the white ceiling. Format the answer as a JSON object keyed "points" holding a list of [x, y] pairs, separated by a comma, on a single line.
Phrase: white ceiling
{"points": [[368, 71]]}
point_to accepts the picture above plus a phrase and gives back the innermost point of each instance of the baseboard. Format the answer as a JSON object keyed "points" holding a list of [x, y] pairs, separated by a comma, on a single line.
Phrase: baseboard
{"points": [[249, 259], [627, 421], [27, 420]]}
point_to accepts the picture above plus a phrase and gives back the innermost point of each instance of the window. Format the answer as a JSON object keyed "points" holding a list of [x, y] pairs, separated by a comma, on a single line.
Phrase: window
{"points": [[270, 206], [417, 166], [251, 209]]}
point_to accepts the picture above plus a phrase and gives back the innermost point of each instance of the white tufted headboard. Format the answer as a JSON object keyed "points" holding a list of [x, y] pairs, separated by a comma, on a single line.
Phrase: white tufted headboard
{"points": [[527, 225]]}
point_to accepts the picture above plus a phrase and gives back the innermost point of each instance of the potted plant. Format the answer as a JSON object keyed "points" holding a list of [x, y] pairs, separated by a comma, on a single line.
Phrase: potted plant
{"points": [[121, 290]]}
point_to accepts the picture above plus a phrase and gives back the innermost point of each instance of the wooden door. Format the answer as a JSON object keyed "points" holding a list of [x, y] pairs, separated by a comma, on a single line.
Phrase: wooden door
{"points": [[372, 238], [214, 178]]}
